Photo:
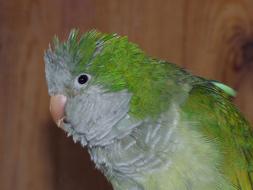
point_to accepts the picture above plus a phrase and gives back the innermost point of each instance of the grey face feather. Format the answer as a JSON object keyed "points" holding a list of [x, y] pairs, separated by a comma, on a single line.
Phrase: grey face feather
{"points": [[57, 74], [91, 112], [94, 113]]}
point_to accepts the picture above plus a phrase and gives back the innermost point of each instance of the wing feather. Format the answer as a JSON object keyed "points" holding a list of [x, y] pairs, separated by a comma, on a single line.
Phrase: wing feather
{"points": [[220, 120]]}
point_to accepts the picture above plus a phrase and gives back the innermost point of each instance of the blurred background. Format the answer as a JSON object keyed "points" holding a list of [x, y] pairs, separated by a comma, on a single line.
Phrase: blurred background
{"points": [[211, 38]]}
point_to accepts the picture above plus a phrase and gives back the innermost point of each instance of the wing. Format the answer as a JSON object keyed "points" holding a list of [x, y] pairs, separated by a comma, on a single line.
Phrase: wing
{"points": [[219, 120]]}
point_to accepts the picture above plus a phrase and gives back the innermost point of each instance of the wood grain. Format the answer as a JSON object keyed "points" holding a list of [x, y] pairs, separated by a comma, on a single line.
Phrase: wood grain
{"points": [[211, 38]]}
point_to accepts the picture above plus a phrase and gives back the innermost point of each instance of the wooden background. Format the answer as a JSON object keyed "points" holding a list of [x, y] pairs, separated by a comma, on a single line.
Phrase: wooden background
{"points": [[212, 38]]}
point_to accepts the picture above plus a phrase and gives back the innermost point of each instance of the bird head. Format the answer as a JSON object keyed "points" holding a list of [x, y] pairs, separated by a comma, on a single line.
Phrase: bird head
{"points": [[102, 79]]}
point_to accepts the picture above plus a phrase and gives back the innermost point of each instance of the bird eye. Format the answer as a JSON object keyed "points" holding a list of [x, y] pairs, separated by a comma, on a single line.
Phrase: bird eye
{"points": [[82, 79]]}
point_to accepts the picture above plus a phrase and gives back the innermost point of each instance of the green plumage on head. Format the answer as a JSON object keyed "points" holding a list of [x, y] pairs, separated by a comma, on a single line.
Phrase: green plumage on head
{"points": [[124, 66]]}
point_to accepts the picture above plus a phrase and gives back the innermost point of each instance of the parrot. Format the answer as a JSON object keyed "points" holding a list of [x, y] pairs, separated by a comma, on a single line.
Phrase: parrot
{"points": [[148, 124]]}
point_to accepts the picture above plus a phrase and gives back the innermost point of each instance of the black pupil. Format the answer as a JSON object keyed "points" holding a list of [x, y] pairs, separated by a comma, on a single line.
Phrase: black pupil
{"points": [[82, 79]]}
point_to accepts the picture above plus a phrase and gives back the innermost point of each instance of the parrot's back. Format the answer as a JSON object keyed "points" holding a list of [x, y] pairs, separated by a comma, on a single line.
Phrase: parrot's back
{"points": [[223, 126]]}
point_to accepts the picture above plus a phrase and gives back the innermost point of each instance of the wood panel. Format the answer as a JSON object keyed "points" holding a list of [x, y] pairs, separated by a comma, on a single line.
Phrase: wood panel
{"points": [[211, 38]]}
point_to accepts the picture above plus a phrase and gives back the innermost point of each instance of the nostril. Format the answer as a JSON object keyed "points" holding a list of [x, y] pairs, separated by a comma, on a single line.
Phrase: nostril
{"points": [[65, 120]]}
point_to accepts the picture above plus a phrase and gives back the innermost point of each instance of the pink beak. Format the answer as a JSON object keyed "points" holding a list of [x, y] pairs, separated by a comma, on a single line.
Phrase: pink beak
{"points": [[57, 104]]}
